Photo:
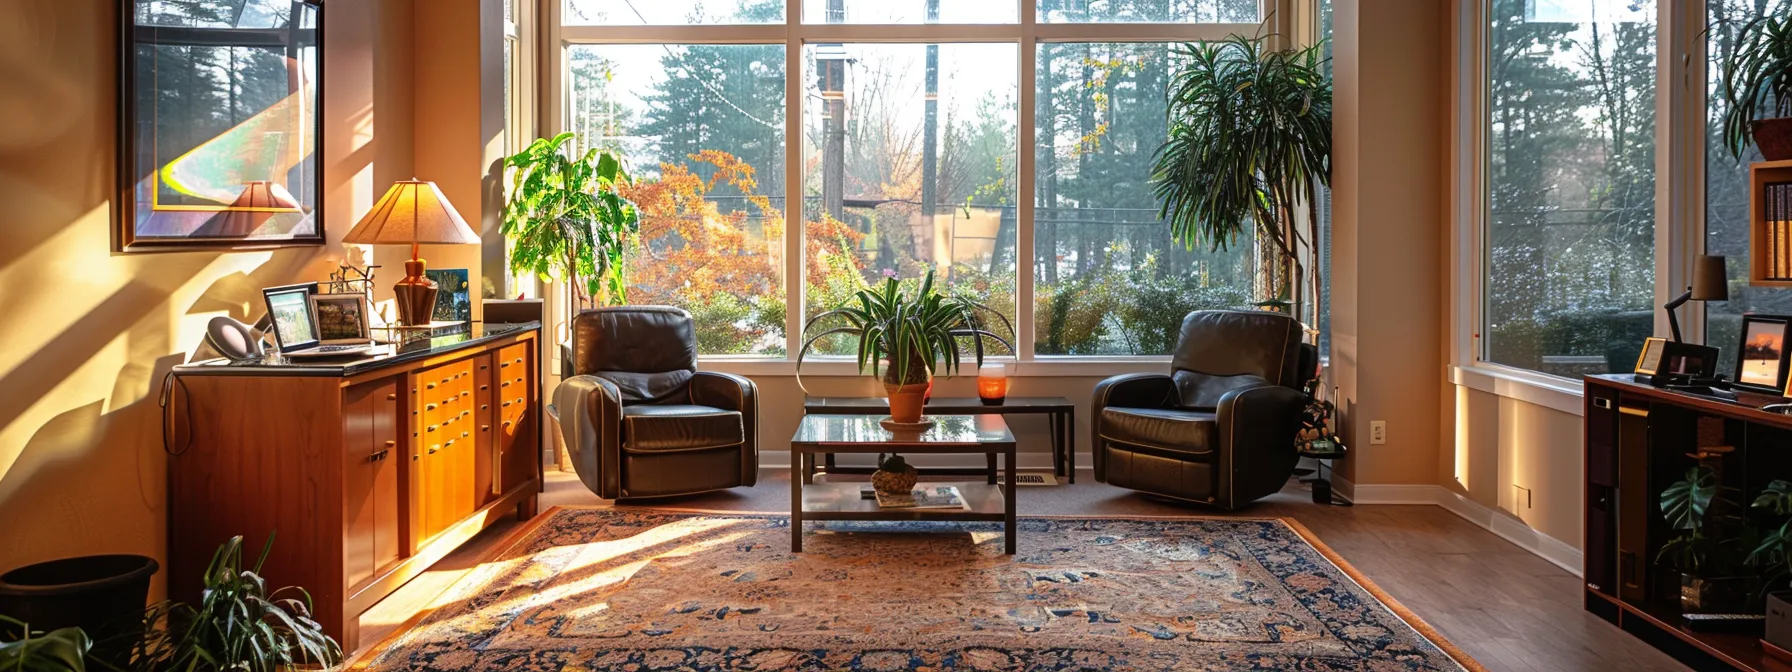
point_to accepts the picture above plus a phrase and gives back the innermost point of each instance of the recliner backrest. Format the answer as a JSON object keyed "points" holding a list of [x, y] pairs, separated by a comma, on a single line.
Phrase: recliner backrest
{"points": [[649, 352], [1218, 351]]}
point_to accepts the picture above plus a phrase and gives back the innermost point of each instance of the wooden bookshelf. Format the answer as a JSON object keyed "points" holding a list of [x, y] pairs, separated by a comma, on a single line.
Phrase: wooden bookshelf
{"points": [[1767, 242]]}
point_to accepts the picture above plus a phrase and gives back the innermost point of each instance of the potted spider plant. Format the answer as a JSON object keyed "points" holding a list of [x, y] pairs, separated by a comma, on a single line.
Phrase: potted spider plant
{"points": [[904, 337], [1757, 87]]}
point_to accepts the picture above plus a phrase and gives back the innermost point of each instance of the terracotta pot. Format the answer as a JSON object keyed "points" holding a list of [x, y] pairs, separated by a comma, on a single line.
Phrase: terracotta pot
{"points": [[906, 401], [1774, 138]]}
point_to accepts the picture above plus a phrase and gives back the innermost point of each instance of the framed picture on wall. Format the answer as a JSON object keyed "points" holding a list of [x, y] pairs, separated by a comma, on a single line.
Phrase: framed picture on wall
{"points": [[1761, 354], [219, 125]]}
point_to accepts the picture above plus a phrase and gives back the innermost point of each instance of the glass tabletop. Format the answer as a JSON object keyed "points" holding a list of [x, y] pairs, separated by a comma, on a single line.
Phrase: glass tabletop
{"points": [[868, 429]]}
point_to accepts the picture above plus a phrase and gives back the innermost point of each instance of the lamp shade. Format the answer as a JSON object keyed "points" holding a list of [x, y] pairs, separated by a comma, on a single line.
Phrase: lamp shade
{"points": [[412, 212], [1710, 281], [265, 196]]}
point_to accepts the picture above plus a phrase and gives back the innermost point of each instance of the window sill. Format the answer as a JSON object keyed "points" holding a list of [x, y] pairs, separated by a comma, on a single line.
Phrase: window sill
{"points": [[1560, 394], [1048, 367]]}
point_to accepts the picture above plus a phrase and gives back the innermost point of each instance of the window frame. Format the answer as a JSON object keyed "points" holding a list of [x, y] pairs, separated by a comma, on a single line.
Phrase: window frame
{"points": [[1280, 20], [1679, 195]]}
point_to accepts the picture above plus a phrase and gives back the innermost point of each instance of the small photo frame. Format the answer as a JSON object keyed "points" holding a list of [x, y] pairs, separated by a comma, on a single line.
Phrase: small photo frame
{"points": [[454, 301], [1761, 355], [341, 318]]}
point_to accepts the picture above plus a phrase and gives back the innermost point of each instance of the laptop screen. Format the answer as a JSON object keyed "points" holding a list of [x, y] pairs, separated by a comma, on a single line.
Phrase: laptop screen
{"points": [[291, 314]]}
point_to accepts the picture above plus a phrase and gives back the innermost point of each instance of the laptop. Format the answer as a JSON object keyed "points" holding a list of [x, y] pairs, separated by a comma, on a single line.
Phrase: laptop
{"points": [[295, 325]]}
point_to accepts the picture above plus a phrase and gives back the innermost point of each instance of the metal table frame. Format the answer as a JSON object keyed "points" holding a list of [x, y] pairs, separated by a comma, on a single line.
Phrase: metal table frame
{"points": [[804, 452], [1060, 417]]}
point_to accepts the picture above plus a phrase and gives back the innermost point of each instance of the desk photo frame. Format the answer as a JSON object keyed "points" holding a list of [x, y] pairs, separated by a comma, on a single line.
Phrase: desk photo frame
{"points": [[1761, 360]]}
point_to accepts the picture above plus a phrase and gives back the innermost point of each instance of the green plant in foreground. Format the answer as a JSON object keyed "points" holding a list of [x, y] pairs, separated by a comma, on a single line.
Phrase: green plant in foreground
{"points": [[238, 625], [567, 217], [63, 650], [1693, 506], [915, 332]]}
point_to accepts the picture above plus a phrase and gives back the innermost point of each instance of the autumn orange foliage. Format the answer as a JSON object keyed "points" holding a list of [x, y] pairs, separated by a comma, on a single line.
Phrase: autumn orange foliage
{"points": [[690, 250]]}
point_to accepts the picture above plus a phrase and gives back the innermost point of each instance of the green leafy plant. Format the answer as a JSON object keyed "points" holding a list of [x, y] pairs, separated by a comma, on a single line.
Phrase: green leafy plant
{"points": [[1757, 76], [1692, 506], [1249, 140], [238, 625], [567, 217], [914, 332], [63, 650], [1774, 552]]}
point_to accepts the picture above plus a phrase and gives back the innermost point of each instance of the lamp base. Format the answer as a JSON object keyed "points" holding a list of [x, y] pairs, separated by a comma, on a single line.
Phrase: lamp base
{"points": [[416, 295]]}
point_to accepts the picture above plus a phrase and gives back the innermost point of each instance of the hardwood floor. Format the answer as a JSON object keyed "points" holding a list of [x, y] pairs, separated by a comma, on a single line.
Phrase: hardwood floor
{"points": [[1509, 609]]}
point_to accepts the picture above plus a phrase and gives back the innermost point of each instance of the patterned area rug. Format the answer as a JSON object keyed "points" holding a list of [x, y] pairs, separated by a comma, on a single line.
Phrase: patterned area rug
{"points": [[607, 589]]}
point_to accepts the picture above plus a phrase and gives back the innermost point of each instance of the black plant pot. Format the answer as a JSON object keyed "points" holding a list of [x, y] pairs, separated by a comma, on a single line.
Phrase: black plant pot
{"points": [[1719, 595], [103, 595]]}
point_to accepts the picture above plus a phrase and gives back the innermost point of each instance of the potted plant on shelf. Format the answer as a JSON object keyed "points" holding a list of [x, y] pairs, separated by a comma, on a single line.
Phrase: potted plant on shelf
{"points": [[1757, 87], [566, 219], [905, 337], [1711, 548], [1250, 142], [60, 650], [1774, 556]]}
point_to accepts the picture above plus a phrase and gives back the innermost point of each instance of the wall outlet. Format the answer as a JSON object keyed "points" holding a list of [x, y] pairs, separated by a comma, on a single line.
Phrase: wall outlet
{"points": [[1378, 432]]}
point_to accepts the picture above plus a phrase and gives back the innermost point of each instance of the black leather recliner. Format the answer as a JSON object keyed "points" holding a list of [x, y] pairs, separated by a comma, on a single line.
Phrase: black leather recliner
{"points": [[640, 420], [1220, 429]]}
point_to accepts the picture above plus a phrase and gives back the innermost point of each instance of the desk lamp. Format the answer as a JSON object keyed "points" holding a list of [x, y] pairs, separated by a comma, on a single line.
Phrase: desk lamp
{"points": [[1710, 282], [416, 213]]}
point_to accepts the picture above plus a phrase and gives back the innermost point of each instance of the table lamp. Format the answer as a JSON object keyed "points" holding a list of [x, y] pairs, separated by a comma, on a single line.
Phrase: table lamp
{"points": [[413, 212], [1710, 282]]}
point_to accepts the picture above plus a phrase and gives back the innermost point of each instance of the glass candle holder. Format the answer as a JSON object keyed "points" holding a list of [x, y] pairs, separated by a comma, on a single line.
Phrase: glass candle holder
{"points": [[992, 384]]}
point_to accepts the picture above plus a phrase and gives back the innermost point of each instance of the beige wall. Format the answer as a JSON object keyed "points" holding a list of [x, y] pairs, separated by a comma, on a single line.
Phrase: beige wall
{"points": [[1504, 447], [1388, 226], [88, 333]]}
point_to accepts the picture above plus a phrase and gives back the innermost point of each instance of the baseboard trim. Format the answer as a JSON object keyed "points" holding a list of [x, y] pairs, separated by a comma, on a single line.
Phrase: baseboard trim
{"points": [[1505, 526]]}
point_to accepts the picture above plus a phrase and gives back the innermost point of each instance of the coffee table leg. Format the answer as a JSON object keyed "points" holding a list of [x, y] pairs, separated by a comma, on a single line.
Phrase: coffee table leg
{"points": [[1057, 428], [796, 500], [1008, 531], [991, 468], [1070, 445], [808, 462]]}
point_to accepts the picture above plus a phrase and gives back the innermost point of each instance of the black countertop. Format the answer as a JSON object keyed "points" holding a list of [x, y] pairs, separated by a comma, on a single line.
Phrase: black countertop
{"points": [[420, 345]]}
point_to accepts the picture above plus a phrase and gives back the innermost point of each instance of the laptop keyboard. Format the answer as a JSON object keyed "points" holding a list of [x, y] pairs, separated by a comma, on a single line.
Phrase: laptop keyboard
{"points": [[338, 348]]}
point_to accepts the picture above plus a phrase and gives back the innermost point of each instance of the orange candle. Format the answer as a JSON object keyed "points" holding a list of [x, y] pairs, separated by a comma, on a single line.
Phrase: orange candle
{"points": [[992, 384]]}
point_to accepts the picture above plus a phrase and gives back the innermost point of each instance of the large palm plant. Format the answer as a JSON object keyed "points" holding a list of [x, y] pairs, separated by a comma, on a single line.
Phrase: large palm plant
{"points": [[566, 217], [1250, 139]]}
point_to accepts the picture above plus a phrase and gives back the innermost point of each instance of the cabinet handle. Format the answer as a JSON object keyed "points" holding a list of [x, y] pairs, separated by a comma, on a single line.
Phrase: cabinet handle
{"points": [[519, 360], [504, 384], [432, 428], [504, 365], [505, 404], [390, 444], [485, 428], [465, 434], [483, 388], [506, 423], [429, 407], [485, 407], [429, 386], [392, 397], [1602, 402], [434, 447]]}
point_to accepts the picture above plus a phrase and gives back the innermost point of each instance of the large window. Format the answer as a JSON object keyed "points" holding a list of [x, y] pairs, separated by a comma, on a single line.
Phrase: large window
{"points": [[1568, 282], [912, 119]]}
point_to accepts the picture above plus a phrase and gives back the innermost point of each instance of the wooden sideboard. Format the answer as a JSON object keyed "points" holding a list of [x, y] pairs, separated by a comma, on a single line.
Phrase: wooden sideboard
{"points": [[367, 471], [1638, 441]]}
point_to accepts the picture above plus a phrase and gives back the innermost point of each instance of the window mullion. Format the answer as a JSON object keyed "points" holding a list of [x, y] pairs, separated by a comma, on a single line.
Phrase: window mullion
{"points": [[795, 222], [1024, 255]]}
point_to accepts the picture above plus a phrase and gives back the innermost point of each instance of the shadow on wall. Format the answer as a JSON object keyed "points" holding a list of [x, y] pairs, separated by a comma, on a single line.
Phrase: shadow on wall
{"points": [[88, 334]]}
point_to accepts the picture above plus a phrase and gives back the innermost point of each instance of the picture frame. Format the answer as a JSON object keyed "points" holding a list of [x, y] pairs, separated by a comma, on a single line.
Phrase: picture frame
{"points": [[341, 319], [289, 315], [1761, 361], [454, 299], [228, 162], [1663, 362]]}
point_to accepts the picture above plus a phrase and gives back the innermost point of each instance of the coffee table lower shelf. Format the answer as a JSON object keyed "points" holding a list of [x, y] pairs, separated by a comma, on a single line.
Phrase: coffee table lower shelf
{"points": [[841, 501]]}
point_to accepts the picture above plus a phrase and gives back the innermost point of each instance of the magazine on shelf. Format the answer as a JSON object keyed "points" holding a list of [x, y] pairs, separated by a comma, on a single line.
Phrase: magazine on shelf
{"points": [[924, 497]]}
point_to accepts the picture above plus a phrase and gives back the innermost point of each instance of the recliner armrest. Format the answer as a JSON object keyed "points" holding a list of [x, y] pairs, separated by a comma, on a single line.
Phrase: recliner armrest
{"points": [[1130, 390], [590, 414], [1258, 427], [735, 393]]}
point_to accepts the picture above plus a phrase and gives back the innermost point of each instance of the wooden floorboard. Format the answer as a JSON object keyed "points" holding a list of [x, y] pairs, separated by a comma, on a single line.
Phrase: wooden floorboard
{"points": [[1511, 610]]}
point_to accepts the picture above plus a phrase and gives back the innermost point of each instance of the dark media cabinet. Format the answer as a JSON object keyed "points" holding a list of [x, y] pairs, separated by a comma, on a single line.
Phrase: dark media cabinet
{"points": [[1638, 441]]}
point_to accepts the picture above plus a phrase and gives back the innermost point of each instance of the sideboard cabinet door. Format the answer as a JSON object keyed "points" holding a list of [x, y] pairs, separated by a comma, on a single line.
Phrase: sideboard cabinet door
{"points": [[370, 479]]}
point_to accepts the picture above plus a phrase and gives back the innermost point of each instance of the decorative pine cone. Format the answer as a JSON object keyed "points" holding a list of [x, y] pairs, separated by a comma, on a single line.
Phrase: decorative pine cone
{"points": [[895, 481]]}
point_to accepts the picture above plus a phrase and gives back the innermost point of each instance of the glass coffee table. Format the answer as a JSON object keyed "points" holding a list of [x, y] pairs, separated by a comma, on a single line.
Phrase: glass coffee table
{"points": [[951, 434]]}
